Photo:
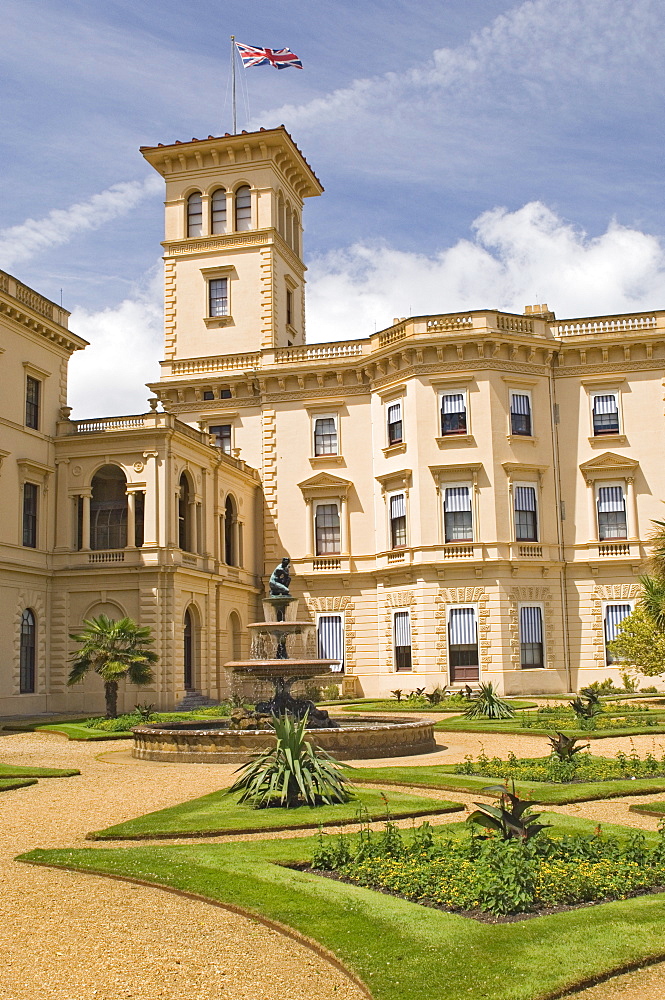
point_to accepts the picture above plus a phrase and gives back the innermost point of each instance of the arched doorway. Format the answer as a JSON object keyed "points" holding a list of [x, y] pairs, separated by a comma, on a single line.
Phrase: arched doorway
{"points": [[189, 651]]}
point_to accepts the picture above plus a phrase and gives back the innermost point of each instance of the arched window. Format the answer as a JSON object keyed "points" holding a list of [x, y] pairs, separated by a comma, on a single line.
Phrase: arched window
{"points": [[218, 211], [289, 226], [296, 233], [27, 653], [235, 635], [188, 652], [184, 533], [281, 217], [230, 532], [195, 215], [243, 209], [108, 509]]}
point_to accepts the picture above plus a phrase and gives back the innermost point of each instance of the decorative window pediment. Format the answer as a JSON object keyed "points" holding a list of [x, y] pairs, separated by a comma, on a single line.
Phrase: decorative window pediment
{"points": [[609, 464], [324, 484]]}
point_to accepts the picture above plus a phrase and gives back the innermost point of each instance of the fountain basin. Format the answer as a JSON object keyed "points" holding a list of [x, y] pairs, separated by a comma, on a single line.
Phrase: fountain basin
{"points": [[215, 743]]}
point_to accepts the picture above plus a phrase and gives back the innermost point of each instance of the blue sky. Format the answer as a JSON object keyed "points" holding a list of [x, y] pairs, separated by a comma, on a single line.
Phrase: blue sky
{"points": [[475, 153]]}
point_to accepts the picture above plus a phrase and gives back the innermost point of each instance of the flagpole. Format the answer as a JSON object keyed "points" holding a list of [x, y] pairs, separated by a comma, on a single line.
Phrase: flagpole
{"points": [[233, 81]]}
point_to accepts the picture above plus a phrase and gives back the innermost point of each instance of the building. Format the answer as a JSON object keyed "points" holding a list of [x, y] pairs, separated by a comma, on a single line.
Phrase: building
{"points": [[463, 496]]}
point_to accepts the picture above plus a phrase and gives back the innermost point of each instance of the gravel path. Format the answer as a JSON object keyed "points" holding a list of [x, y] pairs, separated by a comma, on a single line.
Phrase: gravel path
{"points": [[70, 936]]}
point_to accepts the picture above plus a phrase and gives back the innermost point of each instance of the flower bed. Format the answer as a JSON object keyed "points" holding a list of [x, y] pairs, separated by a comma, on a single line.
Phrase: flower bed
{"points": [[583, 767], [477, 876]]}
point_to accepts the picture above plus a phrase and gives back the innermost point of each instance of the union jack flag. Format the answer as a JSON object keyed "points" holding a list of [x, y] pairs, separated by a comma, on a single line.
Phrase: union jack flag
{"points": [[279, 58]]}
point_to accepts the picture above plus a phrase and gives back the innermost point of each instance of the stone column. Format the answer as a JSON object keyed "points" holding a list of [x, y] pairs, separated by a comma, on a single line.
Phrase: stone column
{"points": [[343, 526], [310, 527], [222, 536], [85, 525], [151, 511], [131, 519], [631, 511], [193, 540]]}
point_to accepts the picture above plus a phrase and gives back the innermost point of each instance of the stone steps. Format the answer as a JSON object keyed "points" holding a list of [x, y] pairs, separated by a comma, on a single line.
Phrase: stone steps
{"points": [[194, 700]]}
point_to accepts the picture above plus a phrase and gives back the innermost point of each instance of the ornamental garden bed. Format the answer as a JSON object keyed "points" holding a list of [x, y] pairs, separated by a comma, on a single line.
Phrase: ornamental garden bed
{"points": [[630, 720], [400, 949], [453, 705], [219, 813], [17, 776]]}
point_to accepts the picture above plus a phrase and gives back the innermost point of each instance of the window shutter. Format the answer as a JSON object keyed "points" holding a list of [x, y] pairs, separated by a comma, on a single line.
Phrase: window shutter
{"points": [[605, 404], [397, 506], [531, 625], [520, 404], [457, 498], [394, 413], [462, 627], [331, 640], [453, 403], [614, 615], [402, 627], [610, 498]]}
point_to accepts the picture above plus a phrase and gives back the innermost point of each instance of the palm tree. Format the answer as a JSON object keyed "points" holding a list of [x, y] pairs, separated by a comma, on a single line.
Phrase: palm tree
{"points": [[114, 650], [657, 539], [652, 599]]}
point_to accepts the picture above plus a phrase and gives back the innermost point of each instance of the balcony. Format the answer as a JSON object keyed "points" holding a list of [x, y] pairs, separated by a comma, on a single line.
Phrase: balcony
{"points": [[528, 551]]}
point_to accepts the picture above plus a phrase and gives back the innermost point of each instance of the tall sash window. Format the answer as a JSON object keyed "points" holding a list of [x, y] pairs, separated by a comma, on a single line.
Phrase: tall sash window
{"points": [[458, 524], [325, 436], [453, 414], [330, 635], [397, 521], [531, 637], [526, 520], [611, 513], [327, 529], [402, 640], [614, 615], [520, 413], [395, 428], [463, 644]]}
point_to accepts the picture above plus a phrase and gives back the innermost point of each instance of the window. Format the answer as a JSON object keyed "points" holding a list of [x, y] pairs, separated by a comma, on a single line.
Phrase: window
{"points": [[218, 297], [289, 307], [183, 514], [230, 531], [325, 435], [330, 637], [222, 434], [30, 502], [463, 644], [457, 517], [453, 413], [32, 400], [243, 209], [402, 640], [327, 529], [224, 393], [108, 509], [531, 637], [614, 615], [394, 423], [195, 215], [208, 394], [397, 520], [520, 413], [27, 653], [526, 518], [605, 414], [218, 211], [611, 513]]}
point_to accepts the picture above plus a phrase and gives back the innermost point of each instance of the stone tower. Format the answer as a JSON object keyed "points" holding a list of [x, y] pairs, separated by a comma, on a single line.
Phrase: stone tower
{"points": [[234, 274]]}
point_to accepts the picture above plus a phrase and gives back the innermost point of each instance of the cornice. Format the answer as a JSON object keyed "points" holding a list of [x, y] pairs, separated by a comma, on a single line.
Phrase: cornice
{"points": [[57, 334], [655, 364]]}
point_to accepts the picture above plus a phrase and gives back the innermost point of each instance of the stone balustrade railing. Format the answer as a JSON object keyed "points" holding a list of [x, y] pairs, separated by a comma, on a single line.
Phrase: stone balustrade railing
{"points": [[599, 325]]}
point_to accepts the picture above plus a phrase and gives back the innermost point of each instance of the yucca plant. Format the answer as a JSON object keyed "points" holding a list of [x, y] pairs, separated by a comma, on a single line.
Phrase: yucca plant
{"points": [[510, 818], [291, 773], [563, 747], [587, 704], [489, 705]]}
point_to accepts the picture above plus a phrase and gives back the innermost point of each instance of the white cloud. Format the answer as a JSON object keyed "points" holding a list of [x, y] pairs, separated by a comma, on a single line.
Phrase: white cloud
{"points": [[515, 258], [125, 348], [20, 243]]}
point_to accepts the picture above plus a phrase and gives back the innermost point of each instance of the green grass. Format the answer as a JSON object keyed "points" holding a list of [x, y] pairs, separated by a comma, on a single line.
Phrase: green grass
{"points": [[442, 776], [6, 784], [17, 776], [401, 950], [392, 705], [512, 726], [650, 808], [219, 813]]}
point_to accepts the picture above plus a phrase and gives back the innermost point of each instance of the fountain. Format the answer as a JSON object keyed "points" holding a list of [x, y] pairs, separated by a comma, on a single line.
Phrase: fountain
{"points": [[282, 652]]}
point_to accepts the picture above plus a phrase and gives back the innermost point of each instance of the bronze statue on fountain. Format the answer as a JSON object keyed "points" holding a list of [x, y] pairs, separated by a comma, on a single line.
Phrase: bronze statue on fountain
{"points": [[283, 651]]}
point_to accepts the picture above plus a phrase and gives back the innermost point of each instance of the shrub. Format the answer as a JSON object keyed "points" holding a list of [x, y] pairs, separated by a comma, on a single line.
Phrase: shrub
{"points": [[510, 817], [563, 747], [584, 767], [489, 705], [292, 772]]}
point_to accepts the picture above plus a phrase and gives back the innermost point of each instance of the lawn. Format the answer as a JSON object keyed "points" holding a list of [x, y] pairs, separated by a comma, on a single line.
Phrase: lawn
{"points": [[443, 776], [419, 705], [650, 808], [401, 950], [459, 724], [16, 776], [219, 813]]}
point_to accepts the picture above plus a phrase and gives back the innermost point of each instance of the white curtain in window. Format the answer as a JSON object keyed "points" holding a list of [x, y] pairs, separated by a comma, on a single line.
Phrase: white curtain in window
{"points": [[614, 615], [605, 404], [402, 626], [610, 498], [457, 498], [331, 640], [462, 626], [525, 498], [397, 506], [531, 625], [394, 413], [453, 403], [520, 404]]}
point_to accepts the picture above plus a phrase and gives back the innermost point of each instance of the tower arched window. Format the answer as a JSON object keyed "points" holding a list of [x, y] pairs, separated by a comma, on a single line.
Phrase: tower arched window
{"points": [[281, 217], [289, 226], [230, 554], [243, 209], [195, 214], [184, 514], [296, 233], [218, 211], [27, 652], [108, 509]]}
